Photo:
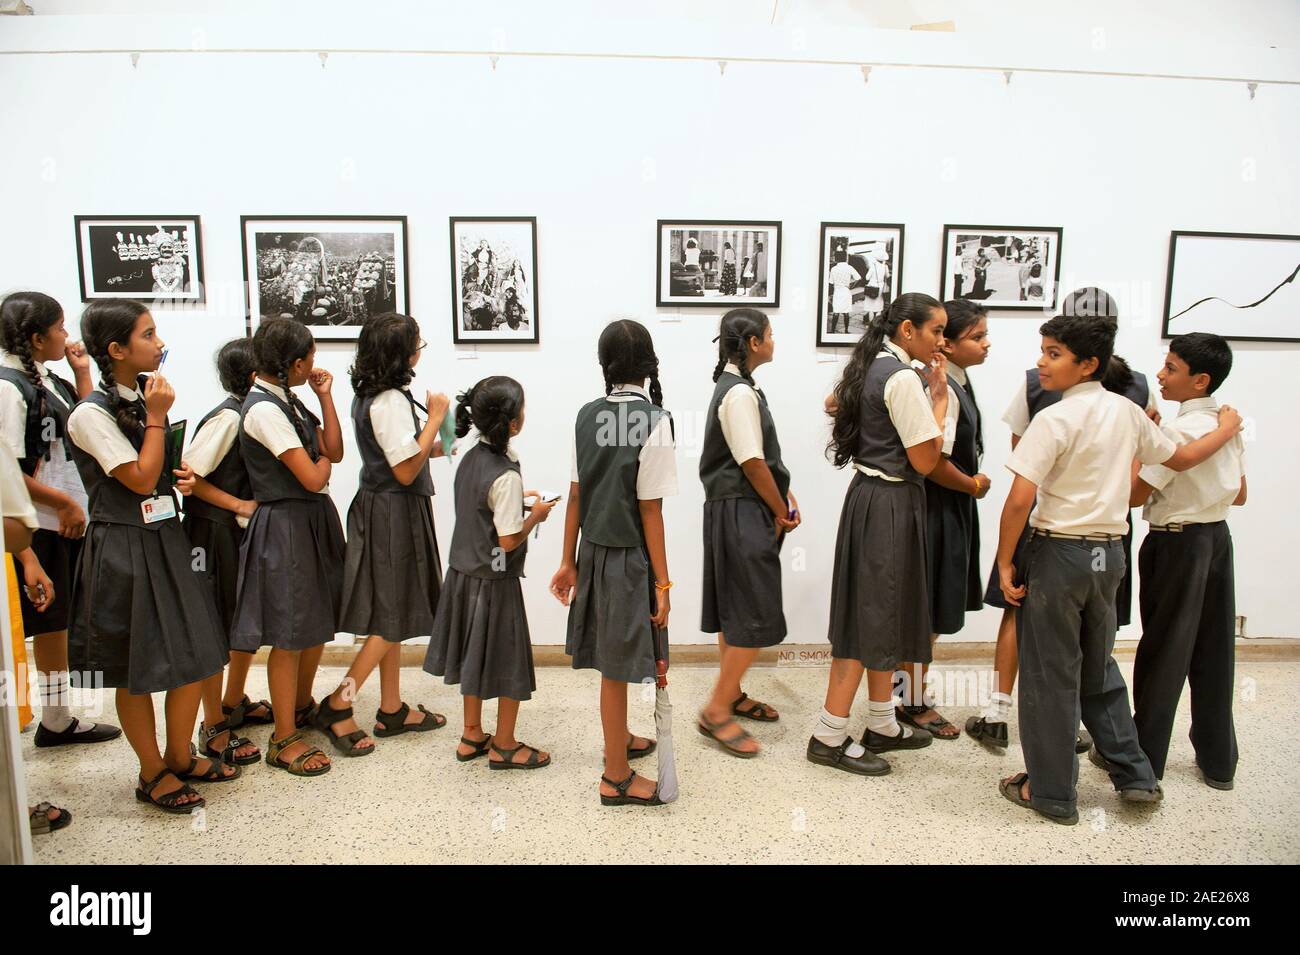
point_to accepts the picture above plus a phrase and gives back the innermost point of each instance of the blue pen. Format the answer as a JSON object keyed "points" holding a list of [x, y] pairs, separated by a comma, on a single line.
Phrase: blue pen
{"points": [[163, 358]]}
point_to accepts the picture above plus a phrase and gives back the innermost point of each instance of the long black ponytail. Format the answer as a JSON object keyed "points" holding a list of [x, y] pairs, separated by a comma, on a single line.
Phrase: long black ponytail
{"points": [[489, 407], [915, 307], [106, 322], [735, 330], [22, 315]]}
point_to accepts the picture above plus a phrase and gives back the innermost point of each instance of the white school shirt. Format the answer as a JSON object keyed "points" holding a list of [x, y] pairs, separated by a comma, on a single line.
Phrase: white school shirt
{"points": [[270, 427], [95, 431], [958, 374], [742, 425], [1199, 495], [59, 472], [1017, 413], [656, 475], [909, 407], [391, 421], [211, 443], [15, 502], [1079, 452], [506, 498]]}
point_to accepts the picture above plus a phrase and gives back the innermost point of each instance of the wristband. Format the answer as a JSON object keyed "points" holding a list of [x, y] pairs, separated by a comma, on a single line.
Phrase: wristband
{"points": [[977, 487], [667, 586], [158, 426]]}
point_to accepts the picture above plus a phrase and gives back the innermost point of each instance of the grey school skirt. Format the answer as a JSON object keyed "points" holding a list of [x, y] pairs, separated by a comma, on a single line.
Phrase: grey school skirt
{"points": [[392, 574], [880, 602], [609, 619], [480, 638], [742, 573]]}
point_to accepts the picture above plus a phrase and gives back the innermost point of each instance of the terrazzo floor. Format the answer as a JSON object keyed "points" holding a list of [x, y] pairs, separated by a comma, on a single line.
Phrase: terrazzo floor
{"points": [[411, 802]]}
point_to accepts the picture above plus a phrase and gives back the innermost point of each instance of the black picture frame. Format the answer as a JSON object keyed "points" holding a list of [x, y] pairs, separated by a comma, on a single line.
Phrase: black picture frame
{"points": [[1264, 288], [1002, 304], [500, 333], [92, 253], [324, 332], [663, 279], [895, 269]]}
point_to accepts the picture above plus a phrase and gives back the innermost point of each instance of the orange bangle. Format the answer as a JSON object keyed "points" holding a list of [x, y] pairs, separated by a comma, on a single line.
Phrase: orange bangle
{"points": [[667, 586]]}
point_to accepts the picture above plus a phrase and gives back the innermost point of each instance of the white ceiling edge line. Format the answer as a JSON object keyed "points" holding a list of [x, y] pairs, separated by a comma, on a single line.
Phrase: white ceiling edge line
{"points": [[498, 55]]}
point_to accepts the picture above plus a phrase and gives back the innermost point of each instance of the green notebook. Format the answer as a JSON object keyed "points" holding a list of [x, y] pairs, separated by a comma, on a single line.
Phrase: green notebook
{"points": [[175, 446]]}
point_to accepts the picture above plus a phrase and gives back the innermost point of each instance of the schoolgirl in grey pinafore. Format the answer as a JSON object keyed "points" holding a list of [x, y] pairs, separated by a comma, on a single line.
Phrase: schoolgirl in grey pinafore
{"points": [[291, 560], [880, 603], [953, 526], [742, 553], [141, 617], [609, 620], [392, 574], [480, 635], [215, 529]]}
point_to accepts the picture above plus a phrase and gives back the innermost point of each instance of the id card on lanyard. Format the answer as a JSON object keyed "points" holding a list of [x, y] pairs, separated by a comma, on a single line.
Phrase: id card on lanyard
{"points": [[158, 508]]}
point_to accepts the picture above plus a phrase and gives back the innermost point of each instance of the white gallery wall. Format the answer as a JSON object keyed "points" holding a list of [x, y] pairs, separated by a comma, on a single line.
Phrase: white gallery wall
{"points": [[599, 148]]}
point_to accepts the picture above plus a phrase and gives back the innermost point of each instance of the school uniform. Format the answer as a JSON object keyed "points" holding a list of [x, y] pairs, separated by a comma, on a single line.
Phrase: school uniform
{"points": [[140, 617], [1078, 453], [880, 599], [392, 574], [1187, 600], [1027, 403], [480, 634], [46, 455], [291, 559], [952, 518], [622, 454], [216, 533], [742, 552]]}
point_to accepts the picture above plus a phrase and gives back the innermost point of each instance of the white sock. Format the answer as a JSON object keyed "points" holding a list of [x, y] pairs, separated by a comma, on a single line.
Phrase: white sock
{"points": [[832, 730], [881, 718], [999, 708], [54, 691]]}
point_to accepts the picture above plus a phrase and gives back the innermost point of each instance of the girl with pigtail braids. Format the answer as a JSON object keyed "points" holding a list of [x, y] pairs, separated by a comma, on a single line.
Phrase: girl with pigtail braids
{"points": [[291, 565], [892, 431], [748, 509], [34, 407], [480, 635], [616, 585], [142, 638]]}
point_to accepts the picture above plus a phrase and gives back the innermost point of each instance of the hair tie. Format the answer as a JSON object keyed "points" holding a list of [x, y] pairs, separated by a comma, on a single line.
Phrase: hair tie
{"points": [[717, 336]]}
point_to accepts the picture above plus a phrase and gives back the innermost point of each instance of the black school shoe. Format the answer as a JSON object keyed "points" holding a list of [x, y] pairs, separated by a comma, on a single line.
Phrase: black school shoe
{"points": [[1223, 784], [985, 731], [868, 764], [878, 743], [1082, 742], [100, 734]]}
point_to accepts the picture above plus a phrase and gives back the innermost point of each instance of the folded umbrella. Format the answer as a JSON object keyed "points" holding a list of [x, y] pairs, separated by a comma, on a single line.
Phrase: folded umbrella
{"points": [[667, 788]]}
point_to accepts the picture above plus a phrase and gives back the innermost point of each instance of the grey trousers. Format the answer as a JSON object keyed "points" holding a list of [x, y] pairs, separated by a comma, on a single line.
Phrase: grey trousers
{"points": [[1066, 633]]}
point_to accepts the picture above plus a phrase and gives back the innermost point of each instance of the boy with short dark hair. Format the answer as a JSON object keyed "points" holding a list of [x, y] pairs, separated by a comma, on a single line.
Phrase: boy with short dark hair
{"points": [[1076, 456], [1187, 599]]}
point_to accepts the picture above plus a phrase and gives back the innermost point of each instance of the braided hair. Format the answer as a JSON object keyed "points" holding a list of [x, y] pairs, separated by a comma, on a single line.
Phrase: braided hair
{"points": [[627, 356], [489, 407], [916, 307], [384, 351], [738, 326], [277, 344], [106, 322], [236, 365], [22, 315]]}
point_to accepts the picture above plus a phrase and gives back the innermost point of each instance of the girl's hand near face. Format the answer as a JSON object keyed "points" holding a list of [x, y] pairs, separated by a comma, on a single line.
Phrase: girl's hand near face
{"points": [[320, 381], [937, 378], [437, 404], [158, 396], [78, 357]]}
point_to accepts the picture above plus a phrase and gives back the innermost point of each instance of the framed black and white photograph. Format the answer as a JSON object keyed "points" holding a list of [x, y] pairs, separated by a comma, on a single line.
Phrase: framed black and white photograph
{"points": [[1240, 285], [155, 259], [329, 272], [494, 279], [858, 273], [718, 264], [1009, 268]]}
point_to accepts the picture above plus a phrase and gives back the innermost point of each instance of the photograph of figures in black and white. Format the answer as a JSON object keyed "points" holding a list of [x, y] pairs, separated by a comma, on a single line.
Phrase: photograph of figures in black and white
{"points": [[494, 280], [719, 263], [329, 274], [140, 257], [1002, 267], [858, 274]]}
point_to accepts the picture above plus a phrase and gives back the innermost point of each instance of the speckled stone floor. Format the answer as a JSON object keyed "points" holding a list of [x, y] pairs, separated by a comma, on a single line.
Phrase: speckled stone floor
{"points": [[412, 802]]}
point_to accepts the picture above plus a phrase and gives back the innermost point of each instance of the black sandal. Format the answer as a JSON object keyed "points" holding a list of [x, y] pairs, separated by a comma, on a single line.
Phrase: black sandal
{"points": [[623, 799], [40, 821], [213, 774], [638, 753], [394, 724], [227, 754], [1010, 788], [168, 801], [480, 748], [759, 711], [508, 756], [909, 714], [710, 729], [325, 716], [238, 714], [302, 716]]}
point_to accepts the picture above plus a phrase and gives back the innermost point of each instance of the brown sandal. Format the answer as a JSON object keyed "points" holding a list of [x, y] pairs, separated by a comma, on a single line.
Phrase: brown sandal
{"points": [[168, 801], [710, 729], [758, 711], [297, 766]]}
